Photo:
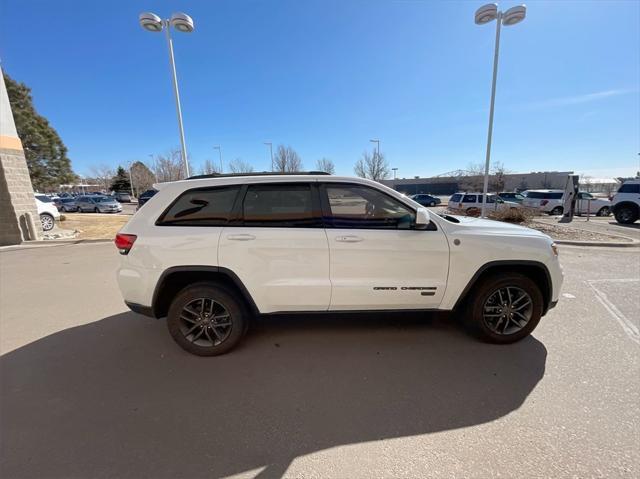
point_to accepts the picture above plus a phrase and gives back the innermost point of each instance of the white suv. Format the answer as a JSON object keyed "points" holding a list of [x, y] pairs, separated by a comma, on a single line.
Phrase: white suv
{"points": [[210, 253], [626, 202]]}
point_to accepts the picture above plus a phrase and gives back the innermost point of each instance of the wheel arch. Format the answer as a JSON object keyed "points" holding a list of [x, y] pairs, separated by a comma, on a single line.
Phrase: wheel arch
{"points": [[534, 270], [174, 279], [621, 204]]}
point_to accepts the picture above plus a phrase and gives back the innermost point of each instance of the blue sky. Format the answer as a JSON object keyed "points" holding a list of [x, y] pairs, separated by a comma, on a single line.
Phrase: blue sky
{"points": [[327, 76]]}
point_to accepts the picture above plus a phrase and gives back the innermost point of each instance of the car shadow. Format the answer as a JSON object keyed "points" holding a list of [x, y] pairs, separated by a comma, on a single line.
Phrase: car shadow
{"points": [[634, 226], [118, 398]]}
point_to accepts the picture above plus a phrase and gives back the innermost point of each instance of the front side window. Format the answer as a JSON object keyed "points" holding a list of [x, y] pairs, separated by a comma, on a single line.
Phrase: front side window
{"points": [[44, 198], [555, 196], [355, 206], [455, 198], [279, 205], [201, 207]]}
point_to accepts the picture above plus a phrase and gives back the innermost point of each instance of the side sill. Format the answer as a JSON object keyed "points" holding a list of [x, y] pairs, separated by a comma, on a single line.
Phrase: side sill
{"points": [[140, 309]]}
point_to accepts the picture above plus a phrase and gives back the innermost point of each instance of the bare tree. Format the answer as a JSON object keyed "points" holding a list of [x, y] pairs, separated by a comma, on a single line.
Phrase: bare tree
{"points": [[286, 159], [143, 178], [372, 166], [472, 179], [240, 166], [102, 174], [326, 165], [168, 167], [209, 168], [498, 176]]}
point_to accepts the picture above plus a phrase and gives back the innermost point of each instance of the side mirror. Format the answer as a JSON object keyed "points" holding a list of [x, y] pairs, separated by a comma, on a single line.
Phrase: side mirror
{"points": [[422, 218]]}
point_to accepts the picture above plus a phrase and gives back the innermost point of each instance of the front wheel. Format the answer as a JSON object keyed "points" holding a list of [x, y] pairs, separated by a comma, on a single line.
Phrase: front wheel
{"points": [[433, 203], [207, 319], [604, 211], [504, 308], [47, 221]]}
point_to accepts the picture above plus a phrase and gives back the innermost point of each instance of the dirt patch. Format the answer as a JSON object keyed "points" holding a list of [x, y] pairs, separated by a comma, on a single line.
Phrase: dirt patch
{"points": [[574, 234], [94, 226]]}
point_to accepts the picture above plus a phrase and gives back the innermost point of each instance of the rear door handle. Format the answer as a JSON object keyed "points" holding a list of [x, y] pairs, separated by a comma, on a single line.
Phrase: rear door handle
{"points": [[241, 237], [349, 239]]}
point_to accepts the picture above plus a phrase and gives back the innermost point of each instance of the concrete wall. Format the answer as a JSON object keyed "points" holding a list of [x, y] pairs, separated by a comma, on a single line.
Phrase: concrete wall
{"points": [[16, 191]]}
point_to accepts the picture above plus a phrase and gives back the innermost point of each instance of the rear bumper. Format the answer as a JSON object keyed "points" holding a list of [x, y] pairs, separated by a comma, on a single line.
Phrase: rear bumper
{"points": [[140, 309]]}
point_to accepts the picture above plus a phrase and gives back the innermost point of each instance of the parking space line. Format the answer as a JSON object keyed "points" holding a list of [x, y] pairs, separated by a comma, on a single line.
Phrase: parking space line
{"points": [[629, 328]]}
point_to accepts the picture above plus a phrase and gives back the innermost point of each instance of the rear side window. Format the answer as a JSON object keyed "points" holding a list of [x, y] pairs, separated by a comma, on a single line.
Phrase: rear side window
{"points": [[630, 188], [469, 199], [455, 198], [201, 207], [279, 205]]}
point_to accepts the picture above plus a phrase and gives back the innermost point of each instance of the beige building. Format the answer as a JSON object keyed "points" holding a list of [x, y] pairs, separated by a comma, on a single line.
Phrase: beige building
{"points": [[16, 191]]}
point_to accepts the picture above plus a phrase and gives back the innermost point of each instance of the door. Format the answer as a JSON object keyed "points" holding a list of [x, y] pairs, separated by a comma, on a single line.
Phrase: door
{"points": [[378, 259], [278, 247]]}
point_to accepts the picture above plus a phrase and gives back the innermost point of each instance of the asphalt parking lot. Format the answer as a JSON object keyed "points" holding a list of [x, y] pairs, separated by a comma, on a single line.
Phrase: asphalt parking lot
{"points": [[89, 389]]}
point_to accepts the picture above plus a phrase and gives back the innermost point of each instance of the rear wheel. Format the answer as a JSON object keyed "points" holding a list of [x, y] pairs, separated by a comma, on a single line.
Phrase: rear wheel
{"points": [[207, 319], [504, 309], [47, 221], [626, 214], [556, 211], [604, 211]]}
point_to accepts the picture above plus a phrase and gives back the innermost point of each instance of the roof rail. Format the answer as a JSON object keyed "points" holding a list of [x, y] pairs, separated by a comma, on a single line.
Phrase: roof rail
{"points": [[258, 173]]}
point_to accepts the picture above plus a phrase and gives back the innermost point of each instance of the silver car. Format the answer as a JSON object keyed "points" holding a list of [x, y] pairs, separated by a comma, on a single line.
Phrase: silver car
{"points": [[98, 204]]}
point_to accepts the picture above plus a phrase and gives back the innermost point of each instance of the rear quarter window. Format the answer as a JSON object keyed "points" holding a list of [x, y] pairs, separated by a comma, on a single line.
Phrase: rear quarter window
{"points": [[630, 188], [201, 207]]}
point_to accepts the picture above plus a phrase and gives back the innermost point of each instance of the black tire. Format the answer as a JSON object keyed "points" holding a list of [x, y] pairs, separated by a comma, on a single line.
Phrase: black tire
{"points": [[474, 314], [180, 324], [626, 214], [47, 221], [558, 210], [604, 211]]}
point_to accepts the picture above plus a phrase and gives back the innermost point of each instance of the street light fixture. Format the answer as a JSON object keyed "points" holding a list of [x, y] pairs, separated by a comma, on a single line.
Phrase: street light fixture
{"points": [[183, 23], [485, 14], [270, 145], [217, 147]]}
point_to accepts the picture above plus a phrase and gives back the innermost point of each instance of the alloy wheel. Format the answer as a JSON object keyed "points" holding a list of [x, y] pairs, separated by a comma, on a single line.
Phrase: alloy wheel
{"points": [[507, 310], [205, 322], [47, 222]]}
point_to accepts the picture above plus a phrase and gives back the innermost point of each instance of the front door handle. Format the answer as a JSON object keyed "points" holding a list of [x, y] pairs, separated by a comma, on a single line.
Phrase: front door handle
{"points": [[349, 239], [241, 237]]}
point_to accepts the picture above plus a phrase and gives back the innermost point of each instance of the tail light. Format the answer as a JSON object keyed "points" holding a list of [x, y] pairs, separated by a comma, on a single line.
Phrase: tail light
{"points": [[544, 202], [124, 243]]}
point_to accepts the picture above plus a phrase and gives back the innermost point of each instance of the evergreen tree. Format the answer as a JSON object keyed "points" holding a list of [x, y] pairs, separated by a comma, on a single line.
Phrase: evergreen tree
{"points": [[45, 153], [120, 181]]}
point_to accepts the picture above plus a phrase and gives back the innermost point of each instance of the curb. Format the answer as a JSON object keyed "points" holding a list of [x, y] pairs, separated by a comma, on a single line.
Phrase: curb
{"points": [[46, 243]]}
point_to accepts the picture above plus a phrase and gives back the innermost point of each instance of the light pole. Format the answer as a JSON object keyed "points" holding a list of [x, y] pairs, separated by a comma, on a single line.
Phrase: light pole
{"points": [[394, 172], [131, 178], [183, 23], [217, 147], [378, 142], [485, 14], [270, 145]]}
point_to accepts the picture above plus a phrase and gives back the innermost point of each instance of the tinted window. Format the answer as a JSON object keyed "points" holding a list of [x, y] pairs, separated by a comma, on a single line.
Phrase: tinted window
{"points": [[201, 207], [44, 198], [542, 195], [630, 188], [354, 206], [279, 205], [555, 196], [469, 199], [455, 198], [68, 200]]}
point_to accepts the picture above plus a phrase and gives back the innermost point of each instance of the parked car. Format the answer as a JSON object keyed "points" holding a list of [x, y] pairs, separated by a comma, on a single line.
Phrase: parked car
{"points": [[146, 196], [98, 204], [67, 204], [626, 202], [210, 253], [471, 203], [47, 211], [426, 200], [551, 202], [511, 196], [122, 197]]}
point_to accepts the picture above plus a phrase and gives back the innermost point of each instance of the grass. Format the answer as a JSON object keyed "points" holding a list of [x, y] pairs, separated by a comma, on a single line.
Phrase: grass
{"points": [[94, 225]]}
